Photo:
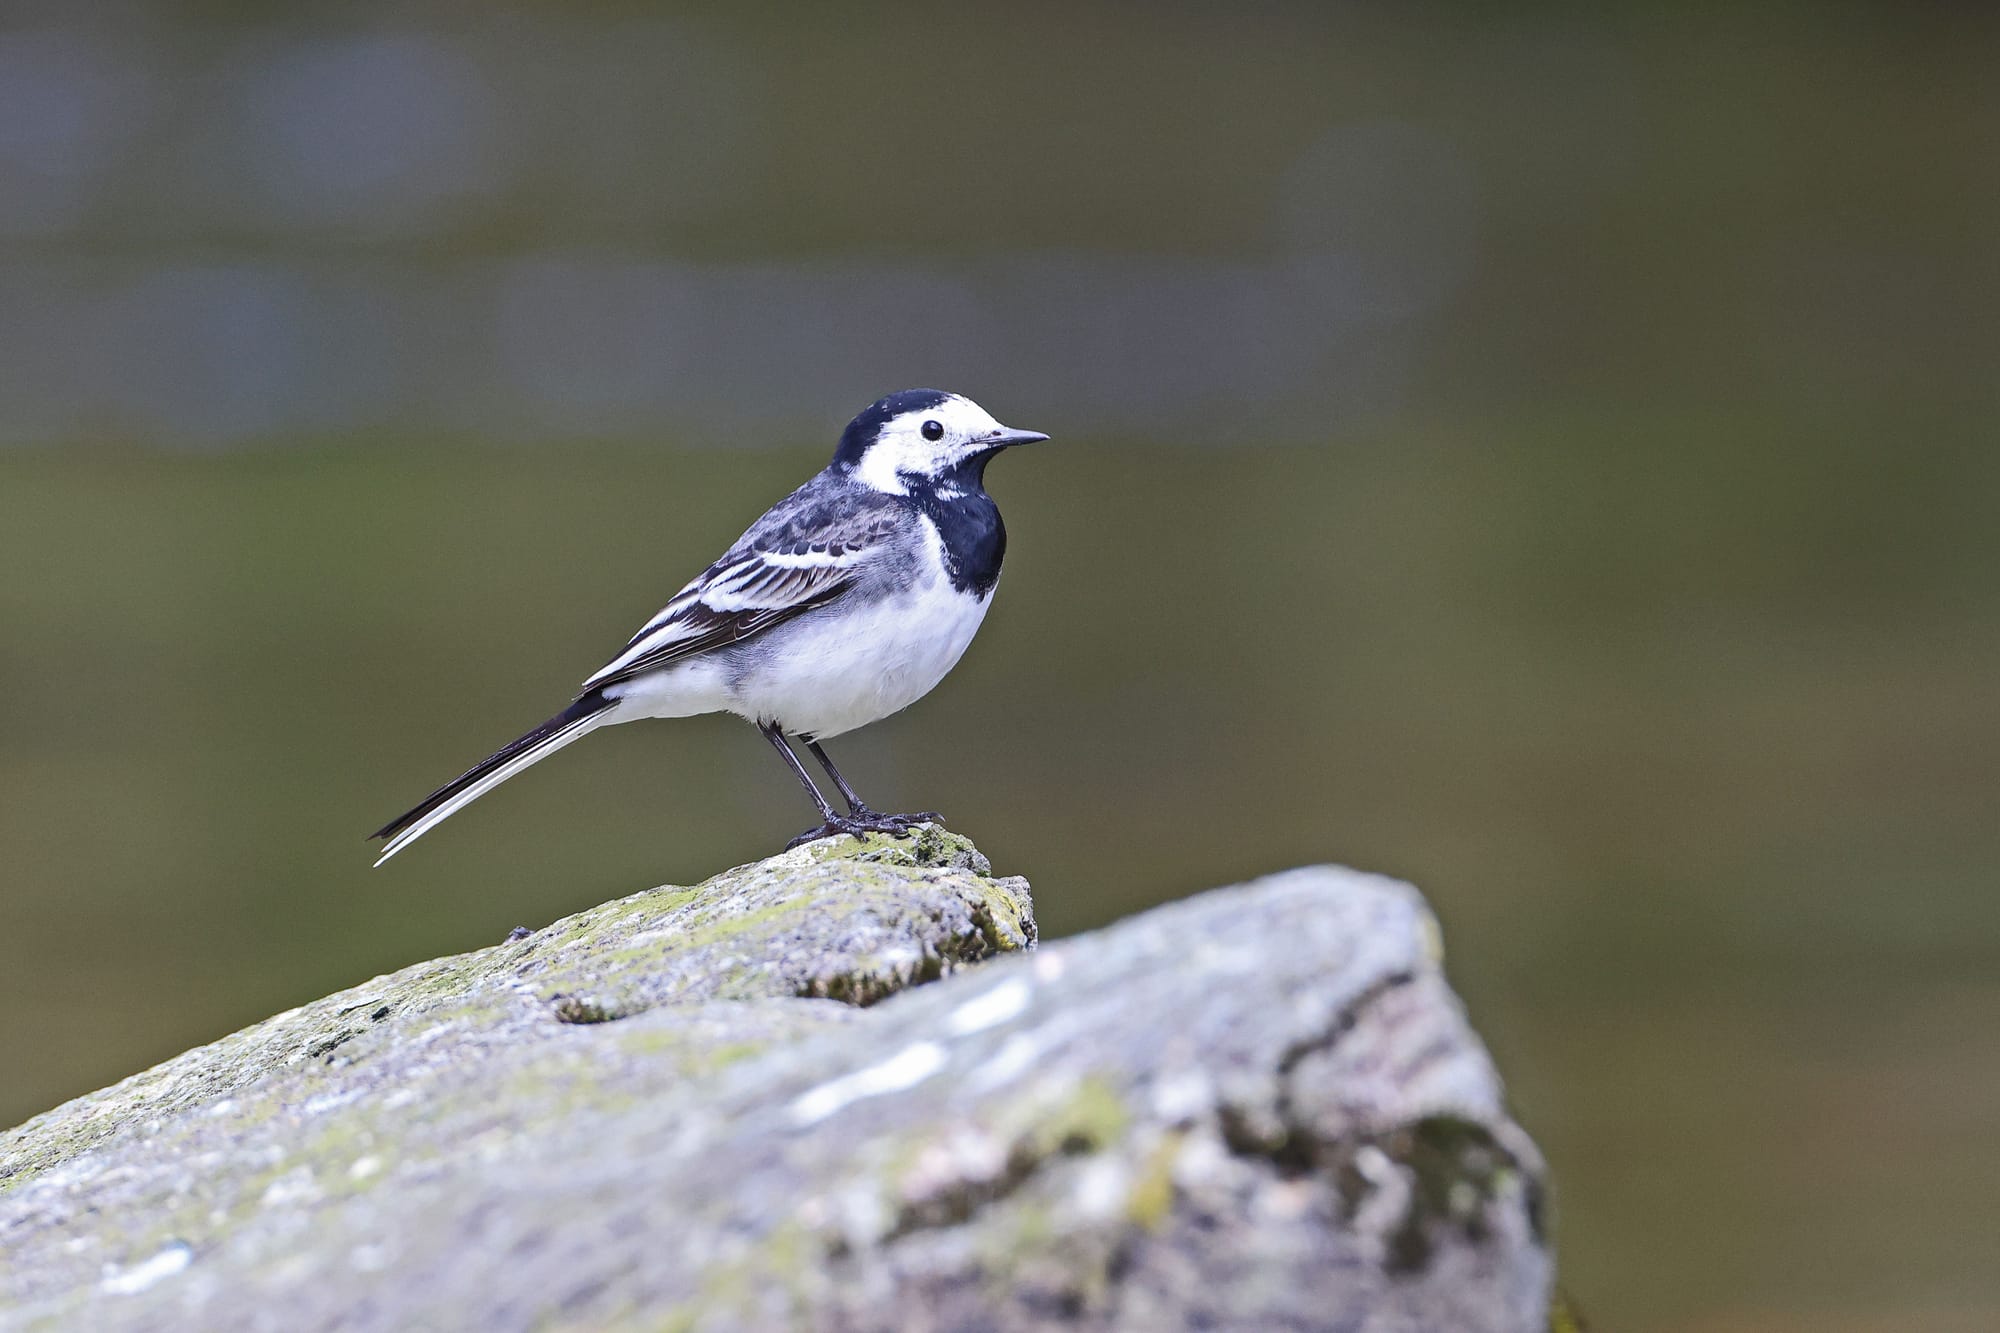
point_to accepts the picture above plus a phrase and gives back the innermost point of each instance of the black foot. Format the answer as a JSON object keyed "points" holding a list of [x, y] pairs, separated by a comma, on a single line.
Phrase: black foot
{"points": [[863, 821], [907, 821]]}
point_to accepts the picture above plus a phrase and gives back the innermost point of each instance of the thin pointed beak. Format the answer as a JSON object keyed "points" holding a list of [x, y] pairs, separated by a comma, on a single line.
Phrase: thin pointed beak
{"points": [[1003, 438]]}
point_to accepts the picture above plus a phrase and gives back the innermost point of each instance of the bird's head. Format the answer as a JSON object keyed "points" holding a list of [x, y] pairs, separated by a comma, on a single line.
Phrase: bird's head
{"points": [[924, 437]]}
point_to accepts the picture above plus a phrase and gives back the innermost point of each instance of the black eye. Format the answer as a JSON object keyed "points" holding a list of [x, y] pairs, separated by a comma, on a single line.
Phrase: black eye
{"points": [[934, 430]]}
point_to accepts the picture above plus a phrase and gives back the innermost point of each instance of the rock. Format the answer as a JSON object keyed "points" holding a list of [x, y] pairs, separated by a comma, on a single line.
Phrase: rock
{"points": [[737, 1107]]}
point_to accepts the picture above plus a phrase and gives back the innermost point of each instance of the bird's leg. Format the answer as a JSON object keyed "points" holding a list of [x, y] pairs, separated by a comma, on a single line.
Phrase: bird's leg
{"points": [[832, 822], [863, 820], [860, 810], [854, 802]]}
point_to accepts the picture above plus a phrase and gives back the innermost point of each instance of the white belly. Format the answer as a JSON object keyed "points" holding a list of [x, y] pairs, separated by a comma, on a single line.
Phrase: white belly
{"points": [[822, 679]]}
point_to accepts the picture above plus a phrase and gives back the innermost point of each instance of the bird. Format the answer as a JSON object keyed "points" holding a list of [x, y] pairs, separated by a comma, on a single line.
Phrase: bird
{"points": [[849, 600]]}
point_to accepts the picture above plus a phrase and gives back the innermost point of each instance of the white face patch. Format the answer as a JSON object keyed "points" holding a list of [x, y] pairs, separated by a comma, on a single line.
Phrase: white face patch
{"points": [[962, 426]]}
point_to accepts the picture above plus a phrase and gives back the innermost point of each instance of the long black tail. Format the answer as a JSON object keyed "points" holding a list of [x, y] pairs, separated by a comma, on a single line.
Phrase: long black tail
{"points": [[570, 724]]}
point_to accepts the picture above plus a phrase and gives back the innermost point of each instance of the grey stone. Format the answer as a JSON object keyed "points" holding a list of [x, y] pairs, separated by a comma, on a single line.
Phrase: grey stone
{"points": [[737, 1106]]}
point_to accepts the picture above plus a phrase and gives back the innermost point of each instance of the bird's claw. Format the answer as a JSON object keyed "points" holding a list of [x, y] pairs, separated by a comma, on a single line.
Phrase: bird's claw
{"points": [[865, 821], [864, 815]]}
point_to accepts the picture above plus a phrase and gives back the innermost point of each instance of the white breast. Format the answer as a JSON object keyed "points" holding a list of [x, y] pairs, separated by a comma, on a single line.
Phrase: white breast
{"points": [[824, 676]]}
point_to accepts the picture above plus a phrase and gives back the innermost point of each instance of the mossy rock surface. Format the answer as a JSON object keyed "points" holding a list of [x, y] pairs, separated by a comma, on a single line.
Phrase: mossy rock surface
{"points": [[744, 1105]]}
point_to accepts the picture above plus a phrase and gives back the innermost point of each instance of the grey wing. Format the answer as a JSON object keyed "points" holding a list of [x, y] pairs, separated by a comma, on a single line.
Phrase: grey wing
{"points": [[794, 560]]}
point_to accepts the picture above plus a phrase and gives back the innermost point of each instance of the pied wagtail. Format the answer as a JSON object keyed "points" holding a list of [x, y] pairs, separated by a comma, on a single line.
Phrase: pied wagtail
{"points": [[847, 601]]}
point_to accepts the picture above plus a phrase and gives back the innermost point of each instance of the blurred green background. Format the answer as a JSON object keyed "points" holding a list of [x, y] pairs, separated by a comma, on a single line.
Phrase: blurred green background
{"points": [[1549, 454]]}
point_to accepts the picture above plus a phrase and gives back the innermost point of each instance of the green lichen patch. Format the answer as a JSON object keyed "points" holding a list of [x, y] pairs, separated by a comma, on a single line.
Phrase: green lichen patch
{"points": [[581, 1009], [875, 979], [1456, 1169], [1091, 1117], [854, 920], [943, 1180], [929, 846], [1152, 1196], [845, 930]]}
